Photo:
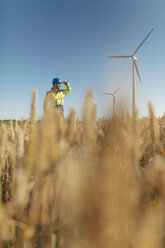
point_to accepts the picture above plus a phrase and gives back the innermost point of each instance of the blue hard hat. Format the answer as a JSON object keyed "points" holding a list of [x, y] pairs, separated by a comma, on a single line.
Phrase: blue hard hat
{"points": [[56, 80]]}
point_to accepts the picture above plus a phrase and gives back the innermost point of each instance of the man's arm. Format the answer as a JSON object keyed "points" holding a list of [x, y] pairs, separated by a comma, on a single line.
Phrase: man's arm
{"points": [[68, 88]]}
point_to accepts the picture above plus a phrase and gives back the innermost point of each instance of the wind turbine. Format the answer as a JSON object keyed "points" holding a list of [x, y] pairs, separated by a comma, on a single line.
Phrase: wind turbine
{"points": [[114, 100], [134, 67]]}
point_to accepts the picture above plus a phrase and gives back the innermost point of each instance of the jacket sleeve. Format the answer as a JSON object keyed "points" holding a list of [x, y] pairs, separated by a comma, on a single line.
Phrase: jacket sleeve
{"points": [[67, 90]]}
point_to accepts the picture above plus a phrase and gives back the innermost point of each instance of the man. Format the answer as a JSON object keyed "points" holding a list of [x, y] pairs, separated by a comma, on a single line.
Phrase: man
{"points": [[56, 96]]}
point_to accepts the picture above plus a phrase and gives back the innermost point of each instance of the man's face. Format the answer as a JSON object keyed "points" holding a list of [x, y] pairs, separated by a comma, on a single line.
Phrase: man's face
{"points": [[56, 86]]}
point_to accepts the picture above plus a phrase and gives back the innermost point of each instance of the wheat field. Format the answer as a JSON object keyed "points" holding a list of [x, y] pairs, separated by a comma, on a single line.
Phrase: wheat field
{"points": [[66, 183]]}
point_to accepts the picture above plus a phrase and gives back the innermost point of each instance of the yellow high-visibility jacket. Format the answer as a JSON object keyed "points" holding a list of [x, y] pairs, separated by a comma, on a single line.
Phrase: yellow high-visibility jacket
{"points": [[56, 97]]}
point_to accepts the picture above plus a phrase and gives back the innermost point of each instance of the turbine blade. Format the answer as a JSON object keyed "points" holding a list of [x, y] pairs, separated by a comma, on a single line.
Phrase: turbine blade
{"points": [[108, 94], [125, 56], [114, 99], [116, 91], [137, 70], [142, 43]]}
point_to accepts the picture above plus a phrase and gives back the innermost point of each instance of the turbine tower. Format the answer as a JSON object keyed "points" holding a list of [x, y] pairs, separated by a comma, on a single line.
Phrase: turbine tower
{"points": [[134, 67], [114, 101]]}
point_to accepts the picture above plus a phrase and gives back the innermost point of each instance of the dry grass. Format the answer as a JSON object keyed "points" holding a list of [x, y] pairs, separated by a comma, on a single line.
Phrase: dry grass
{"points": [[88, 184]]}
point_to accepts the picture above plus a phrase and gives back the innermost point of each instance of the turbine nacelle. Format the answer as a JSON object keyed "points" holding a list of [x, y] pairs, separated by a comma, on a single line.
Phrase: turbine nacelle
{"points": [[134, 58]]}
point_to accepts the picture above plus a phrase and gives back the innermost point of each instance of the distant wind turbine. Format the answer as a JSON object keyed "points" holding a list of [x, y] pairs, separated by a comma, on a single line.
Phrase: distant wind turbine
{"points": [[114, 100], [134, 66]]}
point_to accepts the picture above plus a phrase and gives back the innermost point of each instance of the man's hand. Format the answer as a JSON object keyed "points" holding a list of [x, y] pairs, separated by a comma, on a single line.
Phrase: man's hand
{"points": [[65, 82]]}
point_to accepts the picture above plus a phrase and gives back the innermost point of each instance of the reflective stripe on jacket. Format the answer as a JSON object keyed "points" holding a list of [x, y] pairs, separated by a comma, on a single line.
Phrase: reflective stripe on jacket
{"points": [[57, 98]]}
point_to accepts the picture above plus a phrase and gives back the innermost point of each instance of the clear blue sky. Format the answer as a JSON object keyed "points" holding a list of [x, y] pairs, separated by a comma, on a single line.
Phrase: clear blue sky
{"points": [[42, 39]]}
